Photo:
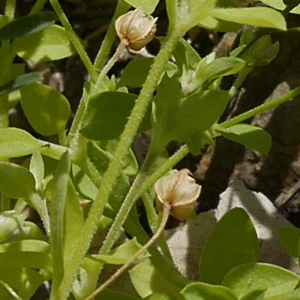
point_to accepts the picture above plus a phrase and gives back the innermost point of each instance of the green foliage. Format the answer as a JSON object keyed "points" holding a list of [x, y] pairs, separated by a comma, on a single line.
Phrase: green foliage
{"points": [[273, 280], [203, 291], [290, 237], [107, 114], [16, 181], [252, 137], [26, 25], [236, 236], [19, 82], [51, 106], [47, 45], [16, 143], [147, 281], [84, 176]]}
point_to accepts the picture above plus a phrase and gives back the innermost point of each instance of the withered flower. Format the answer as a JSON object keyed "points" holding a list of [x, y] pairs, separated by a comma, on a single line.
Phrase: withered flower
{"points": [[135, 29], [179, 191]]}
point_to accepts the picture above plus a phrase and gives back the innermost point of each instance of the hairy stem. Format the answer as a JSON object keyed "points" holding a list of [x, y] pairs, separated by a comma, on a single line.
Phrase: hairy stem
{"points": [[109, 179], [136, 256]]}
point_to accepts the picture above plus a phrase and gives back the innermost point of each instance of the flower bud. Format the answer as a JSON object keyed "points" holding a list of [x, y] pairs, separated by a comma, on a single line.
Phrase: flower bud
{"points": [[135, 29], [179, 191]]}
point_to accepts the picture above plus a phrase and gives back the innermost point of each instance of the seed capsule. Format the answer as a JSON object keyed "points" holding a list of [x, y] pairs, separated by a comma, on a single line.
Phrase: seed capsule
{"points": [[135, 29], [179, 191]]}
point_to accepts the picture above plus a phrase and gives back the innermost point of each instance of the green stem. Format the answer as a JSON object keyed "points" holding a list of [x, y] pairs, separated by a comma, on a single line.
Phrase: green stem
{"points": [[239, 80], [52, 150], [262, 108], [74, 39], [153, 239], [122, 7], [110, 64], [115, 166], [38, 6], [10, 9], [128, 203], [151, 213]]}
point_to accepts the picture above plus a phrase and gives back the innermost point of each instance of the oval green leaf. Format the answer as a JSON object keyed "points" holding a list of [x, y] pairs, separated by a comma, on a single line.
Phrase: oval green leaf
{"points": [[47, 45], [23, 282], [19, 82], [9, 223], [233, 242], [147, 280], [223, 66], [254, 16], [107, 114], [27, 25], [204, 291], [16, 181], [16, 142], [273, 279], [290, 239], [46, 109], [148, 6], [139, 66], [252, 137]]}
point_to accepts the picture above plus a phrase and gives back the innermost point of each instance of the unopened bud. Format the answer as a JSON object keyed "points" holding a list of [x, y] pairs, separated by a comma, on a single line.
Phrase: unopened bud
{"points": [[179, 191], [135, 29]]}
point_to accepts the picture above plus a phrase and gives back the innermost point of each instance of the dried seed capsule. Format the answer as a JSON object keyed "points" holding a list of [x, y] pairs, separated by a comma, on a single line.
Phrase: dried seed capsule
{"points": [[179, 191], [135, 29]]}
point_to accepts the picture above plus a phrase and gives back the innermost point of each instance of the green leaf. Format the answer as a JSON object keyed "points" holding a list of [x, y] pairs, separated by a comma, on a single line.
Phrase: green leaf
{"points": [[19, 82], [87, 279], [261, 52], [254, 16], [25, 246], [273, 279], [17, 229], [232, 243], [14, 97], [290, 238], [36, 167], [148, 6], [258, 294], [107, 114], [16, 142], [146, 281], [57, 221], [219, 25], [27, 25], [130, 165], [185, 119], [204, 291], [46, 109], [223, 66], [10, 222], [111, 295], [16, 181], [252, 137], [186, 55], [27, 259], [139, 66], [74, 220], [47, 45], [159, 296], [293, 295], [23, 281], [122, 254]]}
